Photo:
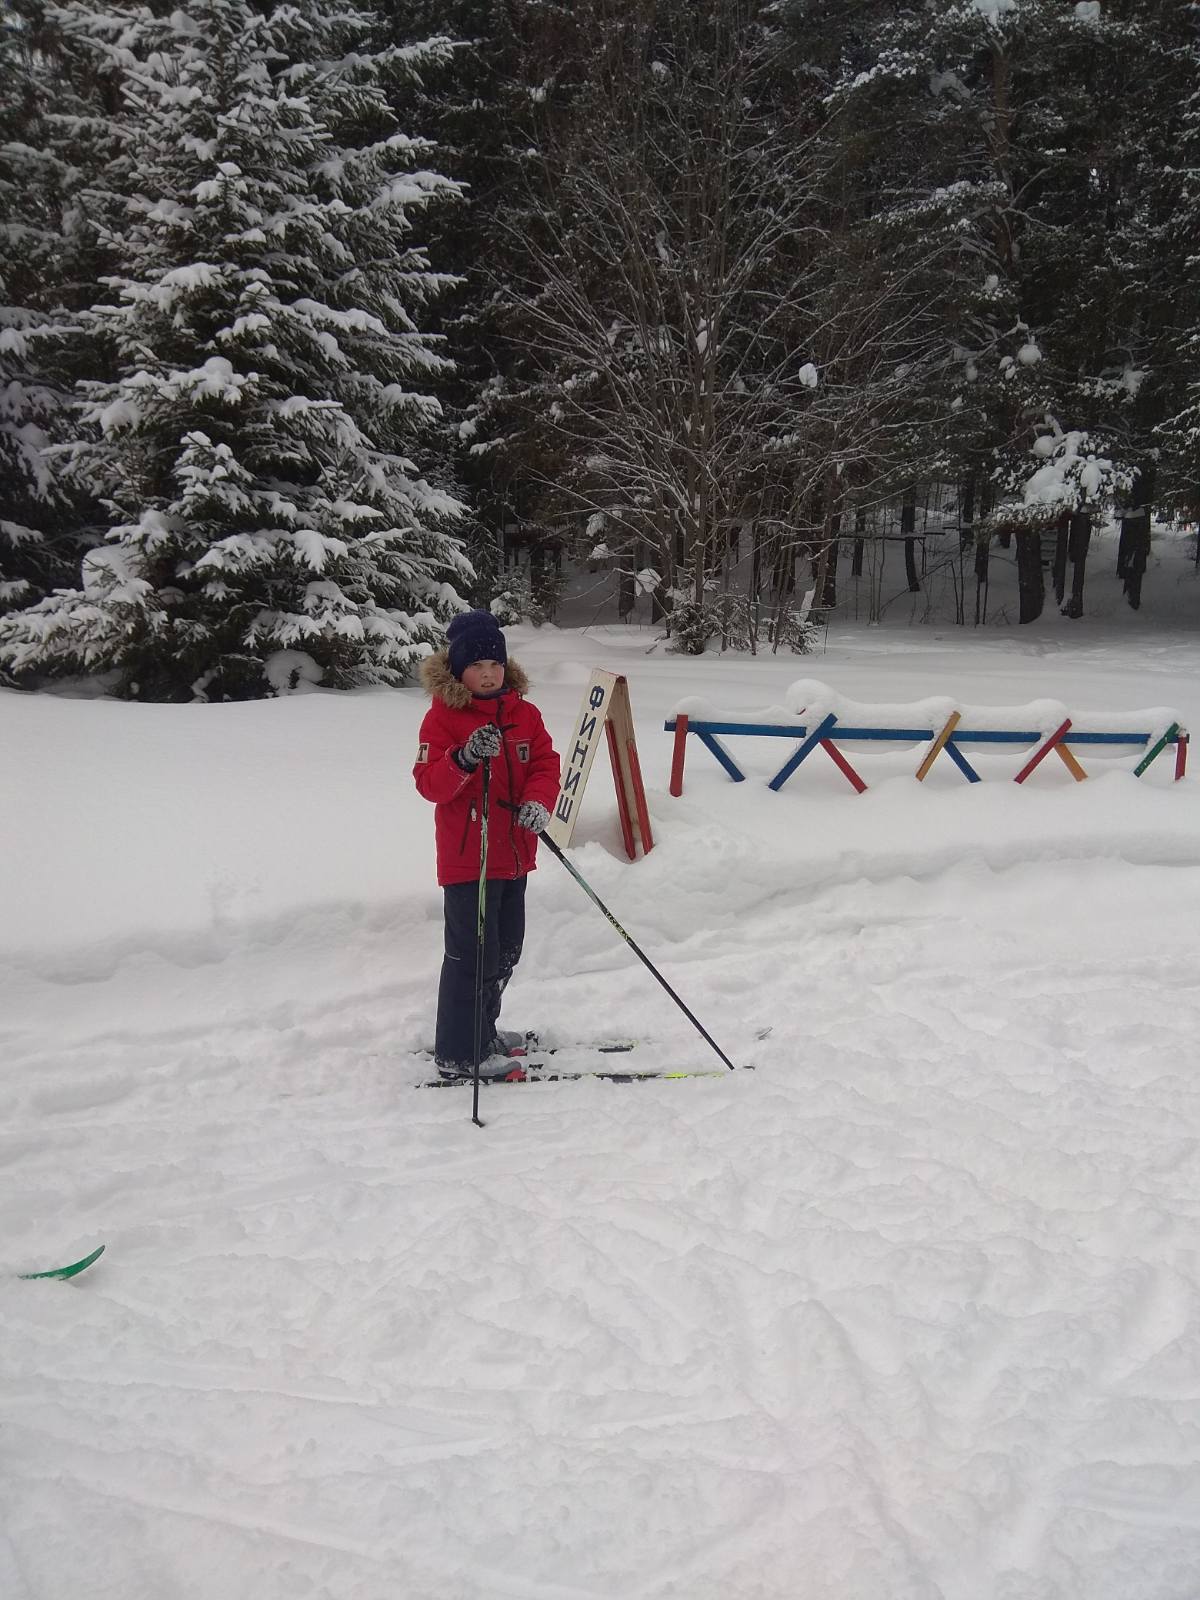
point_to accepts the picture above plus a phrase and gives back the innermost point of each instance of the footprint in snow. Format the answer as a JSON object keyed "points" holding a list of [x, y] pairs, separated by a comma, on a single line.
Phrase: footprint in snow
{"points": [[85, 1095]]}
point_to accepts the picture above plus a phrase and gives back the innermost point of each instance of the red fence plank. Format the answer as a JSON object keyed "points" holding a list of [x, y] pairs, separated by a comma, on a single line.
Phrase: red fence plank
{"points": [[843, 765], [678, 754], [1043, 751]]}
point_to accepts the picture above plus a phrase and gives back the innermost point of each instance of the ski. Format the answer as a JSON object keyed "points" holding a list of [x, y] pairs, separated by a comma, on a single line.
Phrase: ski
{"points": [[72, 1271], [535, 1073], [606, 1047]]}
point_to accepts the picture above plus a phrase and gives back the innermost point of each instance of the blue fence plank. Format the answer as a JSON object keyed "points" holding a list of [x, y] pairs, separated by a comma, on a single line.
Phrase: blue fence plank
{"points": [[809, 745], [723, 756], [899, 735], [961, 762], [1107, 738], [758, 730]]}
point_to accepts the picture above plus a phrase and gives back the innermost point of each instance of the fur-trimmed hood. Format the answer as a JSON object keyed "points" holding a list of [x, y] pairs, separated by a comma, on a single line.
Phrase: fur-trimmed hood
{"points": [[440, 683]]}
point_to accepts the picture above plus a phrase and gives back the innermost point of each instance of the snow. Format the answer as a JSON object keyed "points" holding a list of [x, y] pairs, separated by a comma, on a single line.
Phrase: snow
{"points": [[113, 569], [911, 1311], [118, 414], [316, 548], [292, 672], [17, 533], [993, 10], [1071, 471]]}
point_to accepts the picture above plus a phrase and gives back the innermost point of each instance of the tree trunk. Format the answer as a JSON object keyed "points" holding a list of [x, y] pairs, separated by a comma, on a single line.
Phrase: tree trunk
{"points": [[754, 595], [1077, 549], [626, 593], [785, 570], [1123, 543], [1136, 530], [829, 599], [966, 520], [664, 564], [982, 557], [1133, 550], [860, 528], [1031, 587], [1060, 556], [825, 575], [908, 525]]}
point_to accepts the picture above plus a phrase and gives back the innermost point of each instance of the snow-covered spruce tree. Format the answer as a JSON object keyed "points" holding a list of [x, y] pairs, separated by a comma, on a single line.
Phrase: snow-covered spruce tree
{"points": [[258, 446], [46, 142]]}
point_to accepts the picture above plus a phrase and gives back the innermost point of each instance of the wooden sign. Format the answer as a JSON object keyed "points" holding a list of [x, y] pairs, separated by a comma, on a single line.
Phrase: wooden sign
{"points": [[605, 707]]}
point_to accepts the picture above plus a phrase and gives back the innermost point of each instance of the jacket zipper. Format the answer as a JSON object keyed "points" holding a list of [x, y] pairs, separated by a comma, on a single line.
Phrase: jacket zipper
{"points": [[473, 814], [512, 815]]}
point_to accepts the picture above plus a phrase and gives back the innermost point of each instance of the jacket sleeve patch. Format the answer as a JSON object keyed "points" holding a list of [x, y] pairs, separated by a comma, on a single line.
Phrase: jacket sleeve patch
{"points": [[422, 754]]}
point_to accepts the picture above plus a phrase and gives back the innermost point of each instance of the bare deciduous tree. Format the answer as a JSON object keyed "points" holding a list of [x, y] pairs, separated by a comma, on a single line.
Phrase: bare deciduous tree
{"points": [[722, 347]]}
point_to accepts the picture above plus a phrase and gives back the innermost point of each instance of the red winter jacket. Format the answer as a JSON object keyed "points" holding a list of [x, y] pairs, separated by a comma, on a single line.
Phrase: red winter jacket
{"points": [[525, 769]]}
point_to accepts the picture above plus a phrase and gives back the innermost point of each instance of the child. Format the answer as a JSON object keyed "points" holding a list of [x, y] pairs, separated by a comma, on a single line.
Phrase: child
{"points": [[479, 710]]}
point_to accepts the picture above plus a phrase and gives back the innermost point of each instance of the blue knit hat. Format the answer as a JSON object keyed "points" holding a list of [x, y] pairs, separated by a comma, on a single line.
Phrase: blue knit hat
{"points": [[474, 636]]}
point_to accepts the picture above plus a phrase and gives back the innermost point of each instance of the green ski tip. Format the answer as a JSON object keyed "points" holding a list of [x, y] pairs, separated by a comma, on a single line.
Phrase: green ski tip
{"points": [[67, 1272]]}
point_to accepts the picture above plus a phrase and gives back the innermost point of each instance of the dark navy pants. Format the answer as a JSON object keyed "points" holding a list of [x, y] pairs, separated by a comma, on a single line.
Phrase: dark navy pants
{"points": [[504, 934]]}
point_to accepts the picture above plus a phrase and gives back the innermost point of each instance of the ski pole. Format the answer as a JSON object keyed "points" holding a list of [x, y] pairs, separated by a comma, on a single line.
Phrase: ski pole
{"points": [[639, 953], [481, 934]]}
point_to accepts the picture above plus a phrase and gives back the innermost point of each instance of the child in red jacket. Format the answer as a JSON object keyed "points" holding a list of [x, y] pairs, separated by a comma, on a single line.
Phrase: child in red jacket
{"points": [[479, 710]]}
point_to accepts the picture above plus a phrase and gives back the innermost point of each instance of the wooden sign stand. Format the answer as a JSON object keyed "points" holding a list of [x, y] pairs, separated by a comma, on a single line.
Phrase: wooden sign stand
{"points": [[605, 705]]}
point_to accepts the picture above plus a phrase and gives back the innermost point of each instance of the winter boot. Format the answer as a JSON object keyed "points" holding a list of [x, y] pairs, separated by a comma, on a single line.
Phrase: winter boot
{"points": [[506, 1042], [492, 1066]]}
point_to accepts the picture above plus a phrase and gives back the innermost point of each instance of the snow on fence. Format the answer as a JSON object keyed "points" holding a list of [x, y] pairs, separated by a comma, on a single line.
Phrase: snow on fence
{"points": [[817, 716]]}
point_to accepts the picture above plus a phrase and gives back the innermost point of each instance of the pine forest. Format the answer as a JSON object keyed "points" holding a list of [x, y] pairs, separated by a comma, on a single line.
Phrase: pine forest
{"points": [[320, 322]]}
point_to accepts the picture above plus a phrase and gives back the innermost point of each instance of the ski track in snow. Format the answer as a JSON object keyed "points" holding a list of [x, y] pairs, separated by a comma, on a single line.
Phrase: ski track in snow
{"points": [[910, 1311]]}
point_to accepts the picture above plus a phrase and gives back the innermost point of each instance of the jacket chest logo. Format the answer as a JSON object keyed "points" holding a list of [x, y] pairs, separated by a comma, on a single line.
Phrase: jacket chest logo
{"points": [[523, 750]]}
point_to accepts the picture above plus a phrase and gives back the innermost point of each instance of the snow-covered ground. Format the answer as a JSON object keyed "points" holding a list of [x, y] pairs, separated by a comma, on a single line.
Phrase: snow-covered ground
{"points": [[911, 1312]]}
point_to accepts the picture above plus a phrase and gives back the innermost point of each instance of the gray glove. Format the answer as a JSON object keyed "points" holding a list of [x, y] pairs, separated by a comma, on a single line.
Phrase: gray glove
{"points": [[483, 741], [533, 815]]}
